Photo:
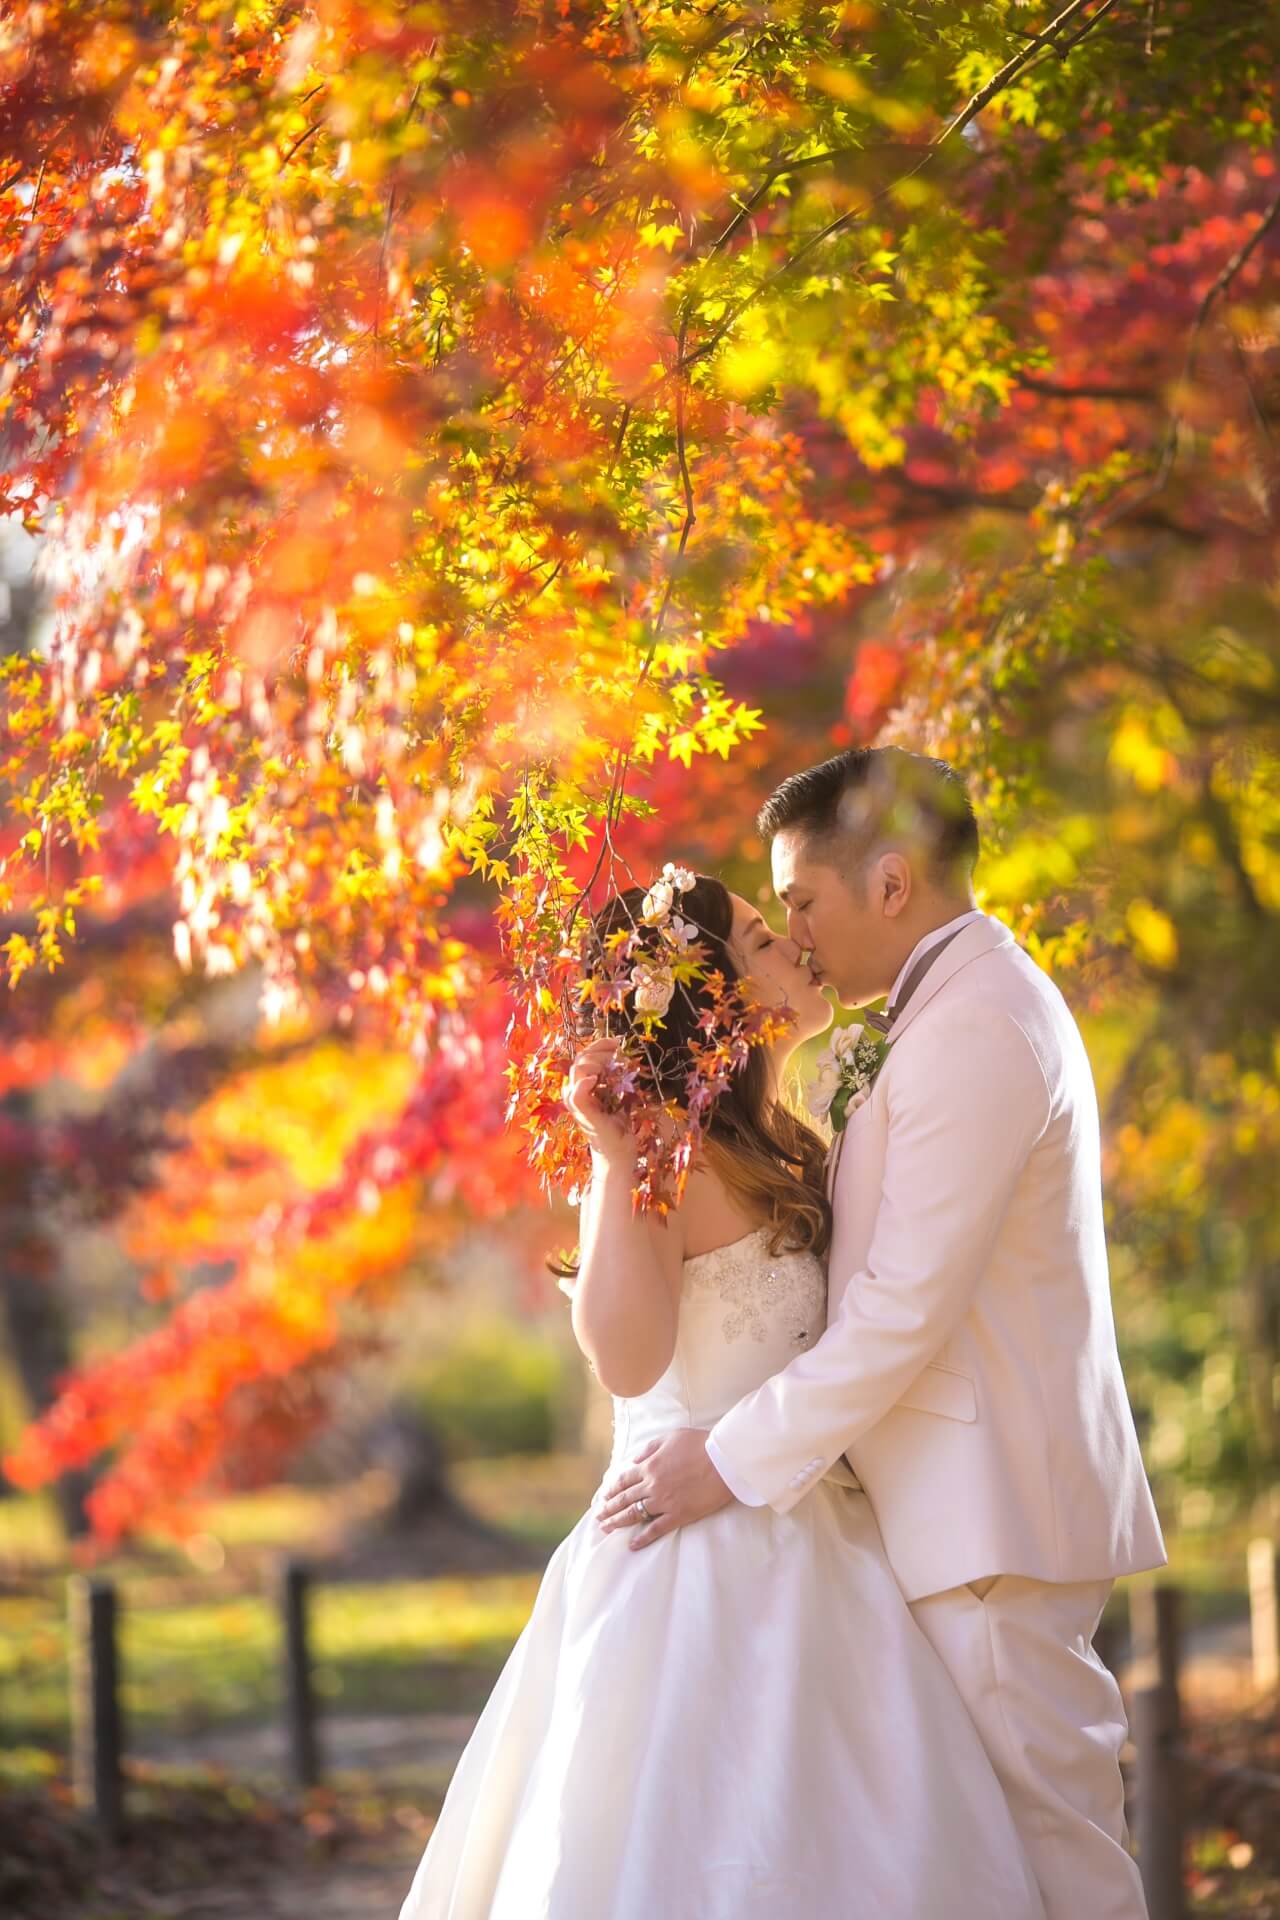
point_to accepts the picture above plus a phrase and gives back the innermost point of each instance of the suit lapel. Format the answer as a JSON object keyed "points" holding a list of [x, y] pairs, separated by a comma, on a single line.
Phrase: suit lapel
{"points": [[979, 937]]}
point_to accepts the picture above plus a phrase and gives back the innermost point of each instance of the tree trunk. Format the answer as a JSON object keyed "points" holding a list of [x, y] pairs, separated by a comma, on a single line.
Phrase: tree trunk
{"points": [[37, 1330]]}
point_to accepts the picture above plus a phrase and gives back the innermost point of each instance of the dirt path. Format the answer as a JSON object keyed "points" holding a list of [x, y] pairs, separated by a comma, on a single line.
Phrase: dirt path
{"points": [[346, 1893], [415, 1752]]}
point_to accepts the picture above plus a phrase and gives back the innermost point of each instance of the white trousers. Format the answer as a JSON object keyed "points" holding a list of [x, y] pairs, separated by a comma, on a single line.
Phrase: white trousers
{"points": [[1051, 1717]]}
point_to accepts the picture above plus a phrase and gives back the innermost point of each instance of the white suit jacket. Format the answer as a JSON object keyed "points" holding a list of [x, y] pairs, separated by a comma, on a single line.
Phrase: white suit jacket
{"points": [[969, 1371]]}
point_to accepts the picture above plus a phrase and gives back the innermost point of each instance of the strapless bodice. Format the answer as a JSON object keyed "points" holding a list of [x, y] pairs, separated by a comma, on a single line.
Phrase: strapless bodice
{"points": [[744, 1313]]}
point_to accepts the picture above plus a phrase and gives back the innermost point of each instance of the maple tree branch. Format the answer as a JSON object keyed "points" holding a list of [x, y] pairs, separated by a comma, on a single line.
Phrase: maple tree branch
{"points": [[1239, 259], [997, 84], [1227, 838], [792, 164], [1087, 390], [918, 498], [1164, 670]]}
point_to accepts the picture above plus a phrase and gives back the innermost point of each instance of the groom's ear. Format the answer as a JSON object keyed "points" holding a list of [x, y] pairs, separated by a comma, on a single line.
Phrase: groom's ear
{"points": [[892, 889]]}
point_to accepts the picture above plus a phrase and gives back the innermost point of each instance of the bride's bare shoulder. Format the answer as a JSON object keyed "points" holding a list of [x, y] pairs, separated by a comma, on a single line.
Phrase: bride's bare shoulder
{"points": [[711, 1213]]}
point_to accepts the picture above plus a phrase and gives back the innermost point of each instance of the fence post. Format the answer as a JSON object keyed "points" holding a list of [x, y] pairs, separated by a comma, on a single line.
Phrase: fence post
{"points": [[1168, 1628], [96, 1720], [300, 1708], [1155, 1635], [1159, 1802], [1264, 1613]]}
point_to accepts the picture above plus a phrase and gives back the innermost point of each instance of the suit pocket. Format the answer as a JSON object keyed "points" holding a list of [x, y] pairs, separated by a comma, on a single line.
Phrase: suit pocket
{"points": [[943, 1390]]}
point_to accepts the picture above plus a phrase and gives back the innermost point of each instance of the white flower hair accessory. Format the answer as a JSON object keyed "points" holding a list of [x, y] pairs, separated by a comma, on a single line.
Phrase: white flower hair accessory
{"points": [[653, 986], [660, 899], [652, 980], [846, 1073]]}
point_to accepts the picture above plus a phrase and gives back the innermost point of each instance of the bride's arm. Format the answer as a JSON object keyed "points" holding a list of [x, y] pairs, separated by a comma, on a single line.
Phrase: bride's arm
{"points": [[627, 1293]]}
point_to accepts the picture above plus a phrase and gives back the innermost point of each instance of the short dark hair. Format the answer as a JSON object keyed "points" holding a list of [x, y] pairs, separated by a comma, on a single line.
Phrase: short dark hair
{"points": [[878, 794]]}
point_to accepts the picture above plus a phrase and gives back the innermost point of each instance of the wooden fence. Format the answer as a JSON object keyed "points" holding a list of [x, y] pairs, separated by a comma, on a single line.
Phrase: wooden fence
{"points": [[98, 1733], [1163, 1764]]}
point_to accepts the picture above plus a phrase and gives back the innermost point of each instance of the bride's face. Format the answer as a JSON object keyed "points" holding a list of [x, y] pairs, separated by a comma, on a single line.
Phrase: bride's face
{"points": [[773, 966]]}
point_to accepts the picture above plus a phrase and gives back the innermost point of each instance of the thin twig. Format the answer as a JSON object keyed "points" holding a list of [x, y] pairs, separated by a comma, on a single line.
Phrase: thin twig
{"points": [[301, 141], [624, 421], [1256, 407], [382, 263], [1060, 52], [1169, 447]]}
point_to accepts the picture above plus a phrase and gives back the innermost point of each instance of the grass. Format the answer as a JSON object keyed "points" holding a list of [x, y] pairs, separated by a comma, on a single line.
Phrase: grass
{"points": [[411, 1647]]}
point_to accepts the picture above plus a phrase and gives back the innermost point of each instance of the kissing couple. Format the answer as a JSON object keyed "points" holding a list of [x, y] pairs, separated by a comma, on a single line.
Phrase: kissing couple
{"points": [[822, 1649]]}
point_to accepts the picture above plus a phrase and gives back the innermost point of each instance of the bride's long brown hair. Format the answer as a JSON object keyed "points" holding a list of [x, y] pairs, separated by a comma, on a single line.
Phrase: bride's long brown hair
{"points": [[767, 1156]]}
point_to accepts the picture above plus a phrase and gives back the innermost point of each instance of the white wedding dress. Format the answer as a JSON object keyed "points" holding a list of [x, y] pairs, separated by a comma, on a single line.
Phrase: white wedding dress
{"points": [[740, 1722]]}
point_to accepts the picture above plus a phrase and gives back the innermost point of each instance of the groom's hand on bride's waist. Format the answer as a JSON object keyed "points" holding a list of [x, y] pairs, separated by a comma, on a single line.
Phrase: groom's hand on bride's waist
{"points": [[669, 1483]]}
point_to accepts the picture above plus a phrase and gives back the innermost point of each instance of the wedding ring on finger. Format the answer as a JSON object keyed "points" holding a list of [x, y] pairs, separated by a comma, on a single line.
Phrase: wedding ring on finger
{"points": [[638, 1506]]}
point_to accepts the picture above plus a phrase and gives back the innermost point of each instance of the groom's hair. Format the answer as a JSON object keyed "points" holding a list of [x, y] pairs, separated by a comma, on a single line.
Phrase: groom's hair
{"points": [[867, 797]]}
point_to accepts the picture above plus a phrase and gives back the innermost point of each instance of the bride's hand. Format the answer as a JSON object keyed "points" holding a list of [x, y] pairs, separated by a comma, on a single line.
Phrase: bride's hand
{"points": [[608, 1135]]}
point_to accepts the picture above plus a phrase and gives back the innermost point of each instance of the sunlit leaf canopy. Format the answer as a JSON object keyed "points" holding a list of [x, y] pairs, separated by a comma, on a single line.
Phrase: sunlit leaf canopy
{"points": [[476, 449]]}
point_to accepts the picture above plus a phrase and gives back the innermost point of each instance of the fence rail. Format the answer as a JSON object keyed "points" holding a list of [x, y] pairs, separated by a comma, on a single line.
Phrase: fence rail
{"points": [[1163, 1760]]}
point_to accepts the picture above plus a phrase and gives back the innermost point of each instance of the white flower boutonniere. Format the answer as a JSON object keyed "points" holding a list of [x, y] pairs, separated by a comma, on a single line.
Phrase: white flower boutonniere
{"points": [[846, 1074]]}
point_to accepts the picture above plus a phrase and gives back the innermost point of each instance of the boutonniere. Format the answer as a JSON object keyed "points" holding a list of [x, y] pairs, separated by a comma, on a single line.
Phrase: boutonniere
{"points": [[846, 1074]]}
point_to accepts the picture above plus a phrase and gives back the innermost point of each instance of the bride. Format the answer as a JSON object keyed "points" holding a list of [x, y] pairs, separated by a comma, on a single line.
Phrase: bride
{"points": [[743, 1722]]}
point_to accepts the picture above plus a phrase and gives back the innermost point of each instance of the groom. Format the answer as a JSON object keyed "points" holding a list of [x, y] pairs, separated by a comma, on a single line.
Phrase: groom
{"points": [[969, 1372]]}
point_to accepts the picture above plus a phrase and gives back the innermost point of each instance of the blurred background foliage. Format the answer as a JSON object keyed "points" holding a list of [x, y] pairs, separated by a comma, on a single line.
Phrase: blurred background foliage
{"points": [[647, 400]]}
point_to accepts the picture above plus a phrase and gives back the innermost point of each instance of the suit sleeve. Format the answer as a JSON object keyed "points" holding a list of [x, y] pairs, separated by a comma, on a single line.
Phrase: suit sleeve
{"points": [[962, 1120]]}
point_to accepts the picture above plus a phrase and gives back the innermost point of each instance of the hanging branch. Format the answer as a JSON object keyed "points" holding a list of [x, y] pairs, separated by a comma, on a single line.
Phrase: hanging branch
{"points": [[1168, 455]]}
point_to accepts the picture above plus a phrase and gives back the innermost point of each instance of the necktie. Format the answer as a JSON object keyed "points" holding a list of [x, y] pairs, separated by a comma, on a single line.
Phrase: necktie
{"points": [[883, 1022]]}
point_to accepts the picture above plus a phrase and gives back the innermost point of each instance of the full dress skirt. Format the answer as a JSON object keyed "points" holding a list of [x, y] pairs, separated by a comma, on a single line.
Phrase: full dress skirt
{"points": [[739, 1722]]}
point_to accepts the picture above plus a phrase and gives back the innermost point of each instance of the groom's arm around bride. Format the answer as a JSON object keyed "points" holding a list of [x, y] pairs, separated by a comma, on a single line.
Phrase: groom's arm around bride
{"points": [[969, 1371]]}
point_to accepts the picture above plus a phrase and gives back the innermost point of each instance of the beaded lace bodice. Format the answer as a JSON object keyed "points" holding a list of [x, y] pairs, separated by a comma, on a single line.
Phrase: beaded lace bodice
{"points": [[744, 1313]]}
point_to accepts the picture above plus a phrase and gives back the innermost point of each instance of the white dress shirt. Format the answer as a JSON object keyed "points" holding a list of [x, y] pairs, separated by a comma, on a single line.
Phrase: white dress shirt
{"points": [[748, 1495]]}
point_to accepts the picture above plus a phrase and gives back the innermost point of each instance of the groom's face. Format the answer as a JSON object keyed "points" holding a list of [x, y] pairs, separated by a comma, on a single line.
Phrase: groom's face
{"points": [[838, 918]]}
